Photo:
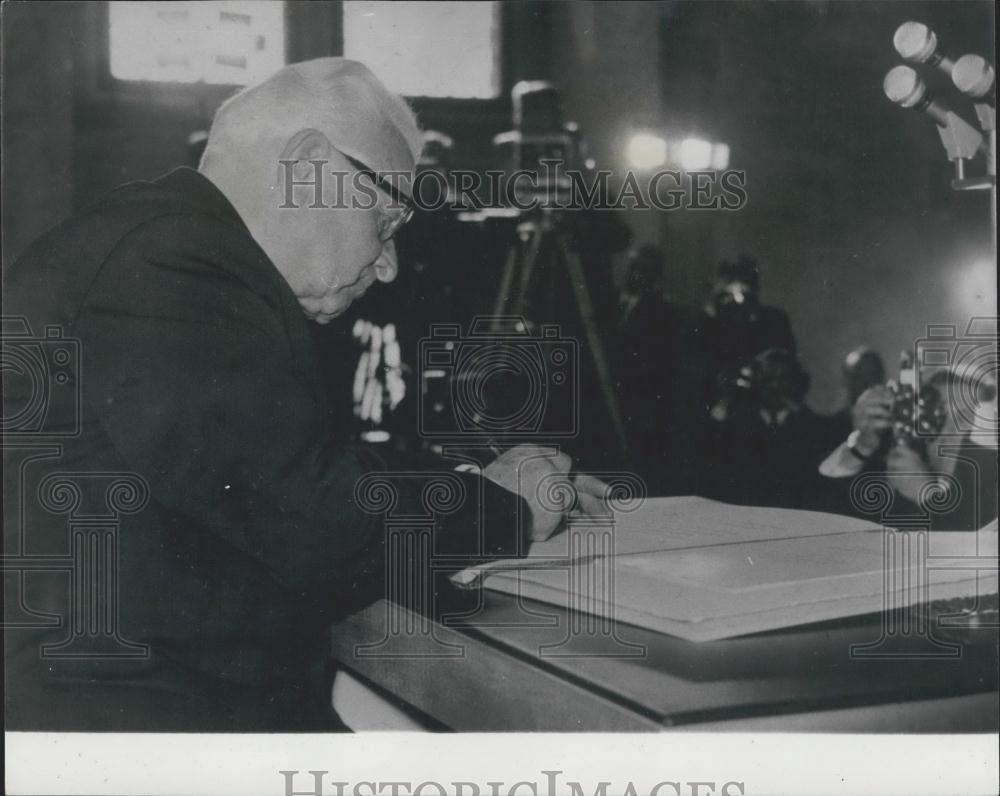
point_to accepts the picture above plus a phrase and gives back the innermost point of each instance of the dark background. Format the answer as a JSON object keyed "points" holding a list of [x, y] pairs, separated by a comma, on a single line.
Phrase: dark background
{"points": [[850, 211]]}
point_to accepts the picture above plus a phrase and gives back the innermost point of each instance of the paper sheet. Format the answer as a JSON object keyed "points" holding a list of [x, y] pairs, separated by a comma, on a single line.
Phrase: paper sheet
{"points": [[704, 570], [674, 523]]}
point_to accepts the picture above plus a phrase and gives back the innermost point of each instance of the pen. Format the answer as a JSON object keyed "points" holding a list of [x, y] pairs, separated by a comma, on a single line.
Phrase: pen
{"points": [[495, 448]]}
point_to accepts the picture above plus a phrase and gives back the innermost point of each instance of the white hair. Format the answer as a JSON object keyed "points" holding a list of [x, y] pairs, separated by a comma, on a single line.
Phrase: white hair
{"points": [[340, 98]]}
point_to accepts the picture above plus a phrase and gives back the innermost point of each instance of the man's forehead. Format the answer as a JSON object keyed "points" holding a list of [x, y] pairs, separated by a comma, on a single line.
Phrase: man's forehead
{"points": [[383, 149]]}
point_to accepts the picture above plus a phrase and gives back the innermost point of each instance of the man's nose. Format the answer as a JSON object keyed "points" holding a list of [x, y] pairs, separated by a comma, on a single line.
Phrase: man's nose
{"points": [[387, 266]]}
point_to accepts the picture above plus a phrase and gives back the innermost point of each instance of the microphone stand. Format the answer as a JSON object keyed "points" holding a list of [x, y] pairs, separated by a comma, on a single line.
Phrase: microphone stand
{"points": [[961, 142]]}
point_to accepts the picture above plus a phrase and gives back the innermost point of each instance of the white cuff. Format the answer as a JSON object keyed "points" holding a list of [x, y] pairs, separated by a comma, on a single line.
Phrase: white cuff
{"points": [[841, 463]]}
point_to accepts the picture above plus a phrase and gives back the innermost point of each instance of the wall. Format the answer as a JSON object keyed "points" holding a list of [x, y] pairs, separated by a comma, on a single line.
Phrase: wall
{"points": [[850, 213]]}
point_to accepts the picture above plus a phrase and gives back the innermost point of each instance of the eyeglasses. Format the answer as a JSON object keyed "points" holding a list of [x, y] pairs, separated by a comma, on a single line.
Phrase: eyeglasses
{"points": [[389, 225]]}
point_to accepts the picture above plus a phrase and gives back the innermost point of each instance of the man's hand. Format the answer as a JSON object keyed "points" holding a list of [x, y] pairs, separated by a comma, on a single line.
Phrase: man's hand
{"points": [[872, 417], [542, 477], [908, 473]]}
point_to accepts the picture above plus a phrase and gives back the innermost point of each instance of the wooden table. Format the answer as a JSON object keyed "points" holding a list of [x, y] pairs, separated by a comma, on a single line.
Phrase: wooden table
{"points": [[493, 662]]}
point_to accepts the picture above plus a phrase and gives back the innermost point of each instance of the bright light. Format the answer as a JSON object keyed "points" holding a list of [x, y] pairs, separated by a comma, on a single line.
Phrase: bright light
{"points": [[977, 289], [646, 151], [216, 41], [403, 43], [720, 157], [696, 154]]}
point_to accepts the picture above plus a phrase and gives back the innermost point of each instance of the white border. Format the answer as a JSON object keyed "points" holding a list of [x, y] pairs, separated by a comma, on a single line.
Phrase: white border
{"points": [[246, 765]]}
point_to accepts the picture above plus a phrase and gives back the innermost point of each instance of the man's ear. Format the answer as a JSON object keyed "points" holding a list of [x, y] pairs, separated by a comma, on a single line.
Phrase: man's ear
{"points": [[303, 147]]}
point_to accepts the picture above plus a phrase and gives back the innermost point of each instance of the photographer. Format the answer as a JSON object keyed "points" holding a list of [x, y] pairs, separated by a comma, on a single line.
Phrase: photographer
{"points": [[767, 444], [735, 327], [652, 372], [948, 476]]}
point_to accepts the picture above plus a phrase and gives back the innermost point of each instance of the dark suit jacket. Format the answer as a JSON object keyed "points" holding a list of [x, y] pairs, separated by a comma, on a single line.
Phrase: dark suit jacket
{"points": [[657, 385], [753, 463], [728, 342], [197, 374]]}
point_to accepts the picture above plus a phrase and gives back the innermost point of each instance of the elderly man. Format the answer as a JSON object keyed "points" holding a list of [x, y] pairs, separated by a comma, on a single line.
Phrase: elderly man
{"points": [[190, 298]]}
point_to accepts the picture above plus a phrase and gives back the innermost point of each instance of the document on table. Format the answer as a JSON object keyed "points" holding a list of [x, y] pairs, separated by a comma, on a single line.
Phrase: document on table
{"points": [[705, 570], [675, 523]]}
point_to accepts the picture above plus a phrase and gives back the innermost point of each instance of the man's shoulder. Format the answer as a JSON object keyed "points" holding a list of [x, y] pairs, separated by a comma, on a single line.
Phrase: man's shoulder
{"points": [[139, 209], [180, 217], [134, 204]]}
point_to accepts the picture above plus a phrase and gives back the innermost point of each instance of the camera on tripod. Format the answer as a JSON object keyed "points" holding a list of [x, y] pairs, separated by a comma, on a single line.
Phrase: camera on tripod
{"points": [[542, 147]]}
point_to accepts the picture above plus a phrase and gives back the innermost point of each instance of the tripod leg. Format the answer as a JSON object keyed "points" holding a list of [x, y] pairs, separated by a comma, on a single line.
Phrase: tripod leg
{"points": [[509, 269], [528, 271], [509, 303], [589, 321]]}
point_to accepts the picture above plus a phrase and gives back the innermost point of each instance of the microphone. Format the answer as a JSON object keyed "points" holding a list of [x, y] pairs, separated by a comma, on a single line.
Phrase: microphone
{"points": [[974, 76], [903, 86], [918, 44]]}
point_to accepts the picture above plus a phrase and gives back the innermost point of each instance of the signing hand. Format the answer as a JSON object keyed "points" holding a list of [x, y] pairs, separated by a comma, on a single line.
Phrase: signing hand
{"points": [[542, 477]]}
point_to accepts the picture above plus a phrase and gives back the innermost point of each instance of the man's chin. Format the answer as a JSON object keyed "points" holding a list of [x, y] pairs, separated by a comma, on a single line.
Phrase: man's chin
{"points": [[324, 317], [346, 297]]}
